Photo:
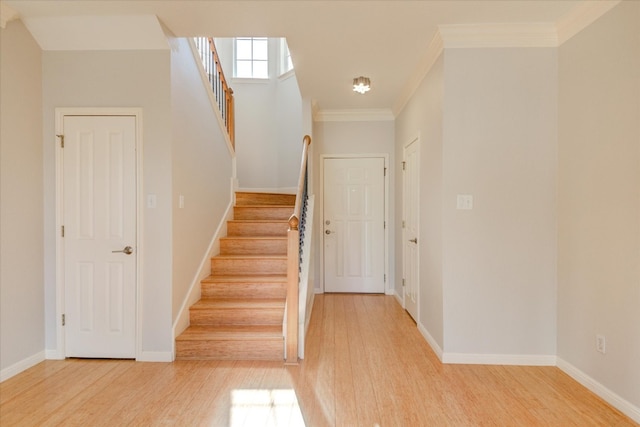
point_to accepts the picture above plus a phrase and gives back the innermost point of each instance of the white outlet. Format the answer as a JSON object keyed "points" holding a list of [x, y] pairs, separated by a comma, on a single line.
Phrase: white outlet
{"points": [[464, 202], [152, 201], [601, 344]]}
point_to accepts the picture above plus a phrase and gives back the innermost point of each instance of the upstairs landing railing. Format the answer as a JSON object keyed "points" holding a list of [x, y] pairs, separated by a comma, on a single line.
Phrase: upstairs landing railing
{"points": [[221, 90], [297, 223]]}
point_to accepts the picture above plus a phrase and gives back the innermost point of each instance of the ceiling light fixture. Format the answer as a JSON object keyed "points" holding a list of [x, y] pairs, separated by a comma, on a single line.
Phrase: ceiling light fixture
{"points": [[361, 85]]}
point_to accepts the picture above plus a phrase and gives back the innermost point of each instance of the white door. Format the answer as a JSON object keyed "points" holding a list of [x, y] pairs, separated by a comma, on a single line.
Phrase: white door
{"points": [[99, 211], [411, 222], [353, 225]]}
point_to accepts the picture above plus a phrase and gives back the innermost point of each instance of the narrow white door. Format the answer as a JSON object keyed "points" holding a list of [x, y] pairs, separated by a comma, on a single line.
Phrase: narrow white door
{"points": [[99, 211], [353, 225], [411, 222]]}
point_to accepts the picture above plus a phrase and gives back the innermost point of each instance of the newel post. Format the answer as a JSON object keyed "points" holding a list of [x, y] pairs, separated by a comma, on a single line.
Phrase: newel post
{"points": [[293, 242]]}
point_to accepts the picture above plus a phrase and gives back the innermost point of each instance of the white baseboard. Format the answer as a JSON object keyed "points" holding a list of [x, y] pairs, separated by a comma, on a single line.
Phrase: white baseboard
{"points": [[281, 190], [155, 356], [21, 366], [398, 298], [53, 354], [624, 406], [431, 341], [500, 359], [193, 295]]}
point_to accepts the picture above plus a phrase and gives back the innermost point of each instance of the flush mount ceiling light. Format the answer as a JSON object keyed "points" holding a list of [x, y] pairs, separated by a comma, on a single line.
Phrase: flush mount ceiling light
{"points": [[361, 84]]}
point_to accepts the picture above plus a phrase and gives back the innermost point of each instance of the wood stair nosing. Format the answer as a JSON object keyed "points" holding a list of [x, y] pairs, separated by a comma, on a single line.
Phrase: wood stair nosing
{"points": [[276, 212], [244, 198]]}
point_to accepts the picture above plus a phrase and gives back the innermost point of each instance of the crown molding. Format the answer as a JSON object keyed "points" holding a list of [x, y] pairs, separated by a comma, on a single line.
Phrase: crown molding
{"points": [[581, 16], [366, 115], [434, 50], [7, 13], [498, 35]]}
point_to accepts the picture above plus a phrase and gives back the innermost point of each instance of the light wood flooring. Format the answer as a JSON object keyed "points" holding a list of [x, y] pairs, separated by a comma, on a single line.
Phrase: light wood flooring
{"points": [[366, 365]]}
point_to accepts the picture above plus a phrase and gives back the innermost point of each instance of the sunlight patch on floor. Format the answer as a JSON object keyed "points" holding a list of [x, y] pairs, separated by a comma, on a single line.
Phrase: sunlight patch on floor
{"points": [[265, 408]]}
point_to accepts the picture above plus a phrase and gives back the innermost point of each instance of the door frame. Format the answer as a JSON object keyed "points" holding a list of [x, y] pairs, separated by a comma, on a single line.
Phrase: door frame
{"points": [[415, 140], [388, 289], [60, 113]]}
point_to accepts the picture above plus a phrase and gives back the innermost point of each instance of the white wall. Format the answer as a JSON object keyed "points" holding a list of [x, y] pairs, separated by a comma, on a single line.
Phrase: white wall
{"points": [[269, 123], [599, 201], [201, 165], [499, 145], [119, 79], [21, 196], [422, 117], [342, 137]]}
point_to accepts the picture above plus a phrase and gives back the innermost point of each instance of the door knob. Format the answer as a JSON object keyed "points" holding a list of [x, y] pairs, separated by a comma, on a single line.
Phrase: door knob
{"points": [[414, 240], [127, 250], [327, 232]]}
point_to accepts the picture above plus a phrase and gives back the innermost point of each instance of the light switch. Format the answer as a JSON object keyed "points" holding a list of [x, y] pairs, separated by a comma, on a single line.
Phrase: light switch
{"points": [[464, 202], [181, 202], [151, 201]]}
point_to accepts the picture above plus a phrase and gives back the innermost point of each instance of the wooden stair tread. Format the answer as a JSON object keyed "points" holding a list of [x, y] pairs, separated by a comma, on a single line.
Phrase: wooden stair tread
{"points": [[254, 238], [235, 303], [259, 221], [272, 278], [231, 332], [276, 257]]}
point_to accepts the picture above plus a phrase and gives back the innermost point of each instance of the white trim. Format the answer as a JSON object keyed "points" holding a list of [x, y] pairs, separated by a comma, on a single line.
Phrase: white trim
{"points": [[182, 319], [155, 356], [624, 406], [212, 99], [21, 366], [280, 190], [365, 115], [7, 14], [387, 289], [53, 354], [430, 57], [498, 35], [431, 341], [398, 298], [60, 113], [581, 16], [500, 359]]}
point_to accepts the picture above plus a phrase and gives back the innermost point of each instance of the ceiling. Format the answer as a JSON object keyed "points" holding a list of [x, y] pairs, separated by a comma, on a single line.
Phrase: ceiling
{"points": [[331, 42]]}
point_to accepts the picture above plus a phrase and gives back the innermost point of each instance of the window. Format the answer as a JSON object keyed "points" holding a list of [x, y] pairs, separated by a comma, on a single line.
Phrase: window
{"points": [[252, 57], [286, 64]]}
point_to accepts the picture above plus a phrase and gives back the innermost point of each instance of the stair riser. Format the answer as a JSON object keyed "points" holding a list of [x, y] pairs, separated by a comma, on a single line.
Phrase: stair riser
{"points": [[237, 316], [253, 229], [243, 199], [222, 266], [272, 349], [244, 290], [253, 212], [230, 246]]}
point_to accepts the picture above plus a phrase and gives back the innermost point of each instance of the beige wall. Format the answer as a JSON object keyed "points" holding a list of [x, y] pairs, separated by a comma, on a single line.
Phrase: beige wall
{"points": [[499, 145], [21, 196], [120, 79], [201, 166], [422, 117], [599, 200]]}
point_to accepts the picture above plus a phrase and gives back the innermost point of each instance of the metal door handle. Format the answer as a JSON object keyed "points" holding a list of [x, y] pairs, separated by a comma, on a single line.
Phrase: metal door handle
{"points": [[127, 250], [415, 240], [327, 232]]}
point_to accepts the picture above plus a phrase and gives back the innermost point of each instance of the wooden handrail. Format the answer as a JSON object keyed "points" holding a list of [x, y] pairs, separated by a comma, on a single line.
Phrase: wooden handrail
{"points": [[222, 92], [293, 261]]}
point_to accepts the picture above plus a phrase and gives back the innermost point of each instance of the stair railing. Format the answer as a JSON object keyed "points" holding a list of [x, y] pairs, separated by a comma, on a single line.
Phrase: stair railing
{"points": [[221, 90], [294, 253]]}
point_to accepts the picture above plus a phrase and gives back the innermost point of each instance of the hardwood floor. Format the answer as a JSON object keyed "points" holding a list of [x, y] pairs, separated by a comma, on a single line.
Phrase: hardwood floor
{"points": [[366, 365]]}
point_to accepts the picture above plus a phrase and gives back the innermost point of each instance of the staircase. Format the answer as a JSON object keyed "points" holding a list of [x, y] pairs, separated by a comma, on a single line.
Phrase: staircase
{"points": [[241, 310]]}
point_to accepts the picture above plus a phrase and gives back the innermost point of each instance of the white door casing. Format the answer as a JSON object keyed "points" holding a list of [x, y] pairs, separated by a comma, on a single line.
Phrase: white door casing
{"points": [[353, 224], [411, 224], [99, 215]]}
